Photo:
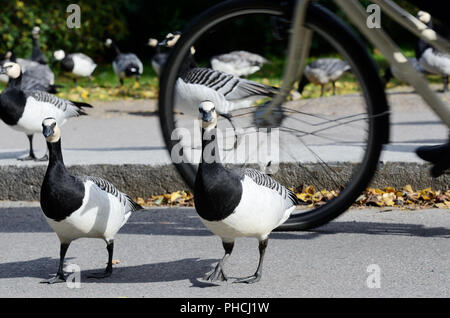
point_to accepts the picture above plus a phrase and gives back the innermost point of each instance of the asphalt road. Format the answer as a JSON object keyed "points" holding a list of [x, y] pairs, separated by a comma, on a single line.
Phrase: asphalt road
{"points": [[165, 253]]}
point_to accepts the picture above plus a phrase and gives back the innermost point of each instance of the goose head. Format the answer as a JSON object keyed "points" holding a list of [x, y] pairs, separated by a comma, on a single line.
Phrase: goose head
{"points": [[59, 55], [152, 42], [108, 42], [171, 39], [11, 69], [424, 17], [8, 55], [50, 130], [208, 115], [36, 31]]}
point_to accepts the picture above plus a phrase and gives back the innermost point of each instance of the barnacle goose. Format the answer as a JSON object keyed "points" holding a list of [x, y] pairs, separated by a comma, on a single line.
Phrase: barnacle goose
{"points": [[197, 84], [238, 63], [125, 64], [36, 76], [392, 71], [24, 110], [77, 207], [325, 70], [159, 58], [36, 54], [235, 202], [432, 60], [78, 64]]}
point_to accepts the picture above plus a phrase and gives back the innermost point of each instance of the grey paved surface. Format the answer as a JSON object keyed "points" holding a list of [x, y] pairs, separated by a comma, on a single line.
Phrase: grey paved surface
{"points": [[122, 142], [128, 132], [165, 253]]}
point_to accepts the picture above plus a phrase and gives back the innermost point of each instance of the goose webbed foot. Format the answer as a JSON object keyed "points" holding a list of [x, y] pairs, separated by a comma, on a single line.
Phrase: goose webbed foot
{"points": [[257, 276], [249, 279], [27, 158], [43, 158], [59, 278], [108, 270], [216, 275], [105, 274]]}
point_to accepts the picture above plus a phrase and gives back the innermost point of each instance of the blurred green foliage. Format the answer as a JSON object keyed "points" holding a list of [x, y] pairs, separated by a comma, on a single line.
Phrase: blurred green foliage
{"points": [[18, 17], [131, 22]]}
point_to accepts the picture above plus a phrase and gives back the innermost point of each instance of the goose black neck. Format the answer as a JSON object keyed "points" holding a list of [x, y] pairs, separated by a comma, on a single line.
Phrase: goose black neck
{"points": [[55, 153], [210, 150], [187, 65], [115, 48], [15, 82]]}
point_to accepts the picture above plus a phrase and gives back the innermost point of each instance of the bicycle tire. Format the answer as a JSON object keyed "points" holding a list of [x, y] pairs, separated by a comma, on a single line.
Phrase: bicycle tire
{"points": [[321, 20]]}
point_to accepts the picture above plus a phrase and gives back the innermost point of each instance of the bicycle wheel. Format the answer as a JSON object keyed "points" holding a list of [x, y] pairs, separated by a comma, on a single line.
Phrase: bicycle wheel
{"points": [[329, 144]]}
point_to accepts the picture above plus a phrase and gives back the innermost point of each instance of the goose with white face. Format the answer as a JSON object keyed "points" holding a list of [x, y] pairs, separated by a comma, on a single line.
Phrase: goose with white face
{"points": [[208, 115]]}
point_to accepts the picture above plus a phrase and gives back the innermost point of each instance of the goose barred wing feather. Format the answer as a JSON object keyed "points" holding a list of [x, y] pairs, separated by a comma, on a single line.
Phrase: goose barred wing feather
{"points": [[69, 108], [232, 87], [266, 181], [108, 187]]}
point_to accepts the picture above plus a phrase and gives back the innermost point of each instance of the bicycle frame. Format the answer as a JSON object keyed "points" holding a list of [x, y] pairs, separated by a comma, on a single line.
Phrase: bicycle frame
{"points": [[300, 40]]}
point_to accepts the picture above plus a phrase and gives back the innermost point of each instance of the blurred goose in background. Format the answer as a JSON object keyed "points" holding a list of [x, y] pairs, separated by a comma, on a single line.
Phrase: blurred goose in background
{"points": [[228, 92], [430, 59], [37, 55], [392, 71], [24, 110], [238, 63], [159, 58], [76, 64], [323, 71], [36, 76], [125, 64]]}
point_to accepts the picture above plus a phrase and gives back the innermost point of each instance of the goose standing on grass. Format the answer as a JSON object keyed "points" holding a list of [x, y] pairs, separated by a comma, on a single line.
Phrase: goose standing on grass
{"points": [[125, 64], [24, 110], [197, 84], [432, 60], [77, 64], [238, 63], [159, 58], [77, 207], [36, 54], [323, 71], [236, 203]]}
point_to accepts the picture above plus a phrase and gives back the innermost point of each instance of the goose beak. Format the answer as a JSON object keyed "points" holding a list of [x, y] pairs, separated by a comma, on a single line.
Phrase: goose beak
{"points": [[47, 131], [163, 43], [207, 117]]}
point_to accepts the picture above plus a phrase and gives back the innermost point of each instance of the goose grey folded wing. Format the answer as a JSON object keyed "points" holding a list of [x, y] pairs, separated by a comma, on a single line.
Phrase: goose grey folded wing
{"points": [[71, 109], [108, 187], [127, 59], [266, 181], [232, 87]]}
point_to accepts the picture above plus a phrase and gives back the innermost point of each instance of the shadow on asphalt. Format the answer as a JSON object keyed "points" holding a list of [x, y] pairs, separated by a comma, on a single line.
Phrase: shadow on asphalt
{"points": [[43, 268], [185, 222]]}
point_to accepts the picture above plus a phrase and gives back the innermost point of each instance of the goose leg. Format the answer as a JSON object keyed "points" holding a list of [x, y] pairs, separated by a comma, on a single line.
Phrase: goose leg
{"points": [[445, 80], [322, 89], [59, 278], [31, 155], [217, 274], [334, 88], [257, 276], [108, 270]]}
